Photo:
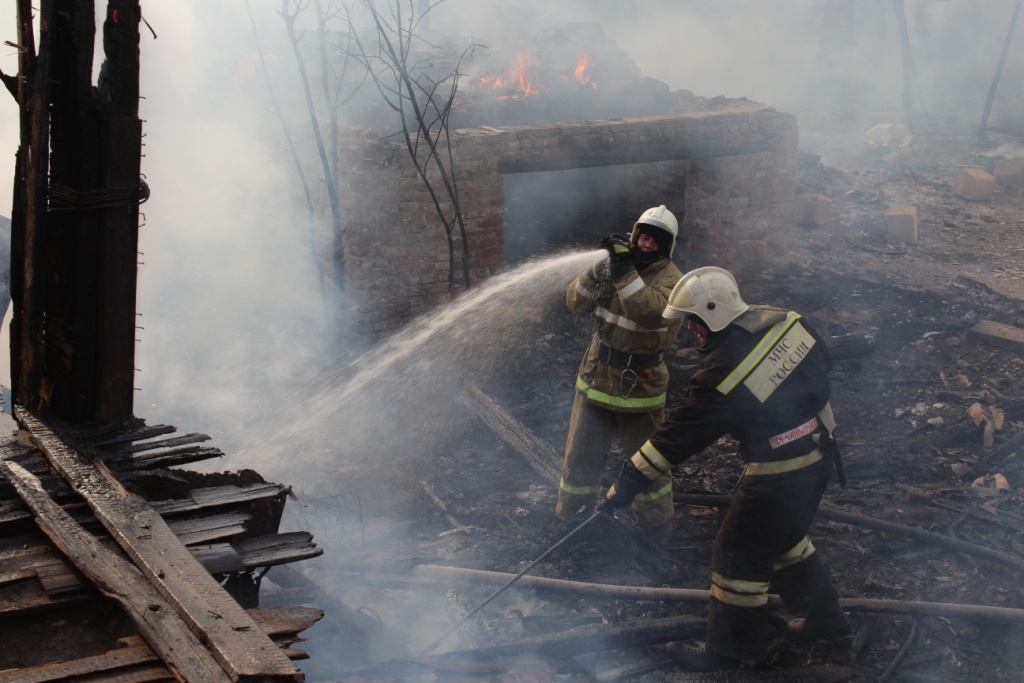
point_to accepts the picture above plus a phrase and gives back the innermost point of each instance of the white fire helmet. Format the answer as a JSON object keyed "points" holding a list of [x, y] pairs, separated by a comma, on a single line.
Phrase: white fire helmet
{"points": [[710, 293], [659, 217]]}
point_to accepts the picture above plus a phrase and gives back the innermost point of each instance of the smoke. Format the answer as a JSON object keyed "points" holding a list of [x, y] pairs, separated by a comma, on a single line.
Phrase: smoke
{"points": [[228, 291]]}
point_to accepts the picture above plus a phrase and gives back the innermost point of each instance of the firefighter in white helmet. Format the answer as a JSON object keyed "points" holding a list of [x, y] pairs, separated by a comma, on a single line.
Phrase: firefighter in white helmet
{"points": [[764, 380], [622, 380]]}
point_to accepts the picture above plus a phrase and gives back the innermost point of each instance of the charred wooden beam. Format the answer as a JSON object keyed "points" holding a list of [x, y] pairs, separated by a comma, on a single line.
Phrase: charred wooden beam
{"points": [[217, 496], [104, 435], [172, 457], [544, 459], [168, 443], [209, 528], [997, 334], [270, 551]]}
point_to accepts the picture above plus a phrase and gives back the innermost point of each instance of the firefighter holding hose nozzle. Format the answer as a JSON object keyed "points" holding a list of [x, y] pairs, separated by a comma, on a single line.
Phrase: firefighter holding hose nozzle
{"points": [[764, 380], [622, 381]]}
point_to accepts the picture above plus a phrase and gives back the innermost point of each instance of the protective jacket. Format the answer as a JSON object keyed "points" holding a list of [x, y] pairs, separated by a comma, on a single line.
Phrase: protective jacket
{"points": [[764, 381], [623, 369]]}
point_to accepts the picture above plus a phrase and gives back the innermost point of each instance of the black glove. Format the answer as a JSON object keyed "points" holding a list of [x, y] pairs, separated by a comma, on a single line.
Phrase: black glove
{"points": [[630, 483], [617, 247]]}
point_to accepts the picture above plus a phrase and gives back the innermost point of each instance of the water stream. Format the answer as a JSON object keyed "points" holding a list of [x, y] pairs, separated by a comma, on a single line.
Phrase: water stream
{"points": [[393, 404]]}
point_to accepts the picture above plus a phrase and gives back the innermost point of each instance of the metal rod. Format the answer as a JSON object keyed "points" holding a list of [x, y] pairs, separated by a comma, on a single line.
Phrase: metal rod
{"points": [[430, 648]]}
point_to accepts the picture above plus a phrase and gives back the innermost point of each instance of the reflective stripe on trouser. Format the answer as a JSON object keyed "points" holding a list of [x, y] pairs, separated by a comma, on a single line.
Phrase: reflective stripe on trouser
{"points": [[592, 430], [764, 531]]}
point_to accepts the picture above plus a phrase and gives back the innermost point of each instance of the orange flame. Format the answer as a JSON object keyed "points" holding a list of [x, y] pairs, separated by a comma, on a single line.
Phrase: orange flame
{"points": [[581, 70], [516, 82]]}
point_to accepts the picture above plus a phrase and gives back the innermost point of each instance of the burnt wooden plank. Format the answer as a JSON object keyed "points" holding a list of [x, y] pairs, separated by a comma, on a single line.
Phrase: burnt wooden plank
{"points": [[218, 558], [211, 528], [28, 596], [128, 437], [998, 334], [18, 557], [540, 455], [156, 619], [215, 496], [275, 549], [172, 457], [168, 443], [41, 561], [244, 652], [57, 577]]}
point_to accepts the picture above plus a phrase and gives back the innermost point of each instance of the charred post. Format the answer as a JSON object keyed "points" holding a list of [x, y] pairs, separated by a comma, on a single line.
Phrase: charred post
{"points": [[75, 246]]}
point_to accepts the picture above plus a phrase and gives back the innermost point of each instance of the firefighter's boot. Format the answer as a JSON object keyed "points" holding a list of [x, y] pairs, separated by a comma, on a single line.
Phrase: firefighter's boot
{"points": [[828, 623]]}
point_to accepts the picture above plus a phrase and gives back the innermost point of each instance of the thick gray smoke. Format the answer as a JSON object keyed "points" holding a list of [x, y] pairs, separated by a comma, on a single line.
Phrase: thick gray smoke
{"points": [[229, 295]]}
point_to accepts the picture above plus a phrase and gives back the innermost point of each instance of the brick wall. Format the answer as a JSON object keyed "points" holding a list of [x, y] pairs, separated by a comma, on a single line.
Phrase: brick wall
{"points": [[735, 167]]}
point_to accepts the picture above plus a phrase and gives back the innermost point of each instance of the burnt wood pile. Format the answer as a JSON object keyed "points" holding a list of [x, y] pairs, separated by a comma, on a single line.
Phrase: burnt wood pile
{"points": [[115, 566]]}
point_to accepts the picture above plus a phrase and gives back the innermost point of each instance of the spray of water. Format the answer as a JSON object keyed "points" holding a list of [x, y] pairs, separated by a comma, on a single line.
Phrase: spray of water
{"points": [[389, 410]]}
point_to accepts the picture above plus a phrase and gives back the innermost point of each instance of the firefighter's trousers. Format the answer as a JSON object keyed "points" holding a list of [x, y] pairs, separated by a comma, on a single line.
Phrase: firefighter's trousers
{"points": [[763, 543], [591, 432]]}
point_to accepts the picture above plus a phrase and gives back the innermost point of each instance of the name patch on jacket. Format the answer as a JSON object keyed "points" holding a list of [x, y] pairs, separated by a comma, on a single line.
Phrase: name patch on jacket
{"points": [[780, 362], [792, 435]]}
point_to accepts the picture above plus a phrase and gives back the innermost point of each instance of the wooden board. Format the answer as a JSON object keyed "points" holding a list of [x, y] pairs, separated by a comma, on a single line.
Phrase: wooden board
{"points": [[998, 334], [211, 528], [217, 496], [541, 456], [28, 596], [236, 642], [275, 549]]}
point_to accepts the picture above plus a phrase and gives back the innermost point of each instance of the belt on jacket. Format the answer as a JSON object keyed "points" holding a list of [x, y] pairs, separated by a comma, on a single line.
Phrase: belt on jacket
{"points": [[611, 356], [781, 466]]}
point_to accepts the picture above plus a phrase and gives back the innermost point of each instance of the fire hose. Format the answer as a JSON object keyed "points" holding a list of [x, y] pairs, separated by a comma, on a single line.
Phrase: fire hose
{"points": [[597, 513]]}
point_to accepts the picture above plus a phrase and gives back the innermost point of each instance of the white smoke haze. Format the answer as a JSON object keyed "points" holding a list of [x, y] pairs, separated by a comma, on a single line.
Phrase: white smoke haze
{"points": [[232, 313], [229, 297]]}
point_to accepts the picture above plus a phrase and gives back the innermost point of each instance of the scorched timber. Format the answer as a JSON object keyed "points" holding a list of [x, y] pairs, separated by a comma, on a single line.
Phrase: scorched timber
{"points": [[544, 459], [206, 529], [214, 496]]}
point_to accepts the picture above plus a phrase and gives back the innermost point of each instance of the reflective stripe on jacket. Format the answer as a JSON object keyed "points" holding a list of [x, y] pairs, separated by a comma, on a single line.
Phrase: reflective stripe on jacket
{"points": [[627, 318]]}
